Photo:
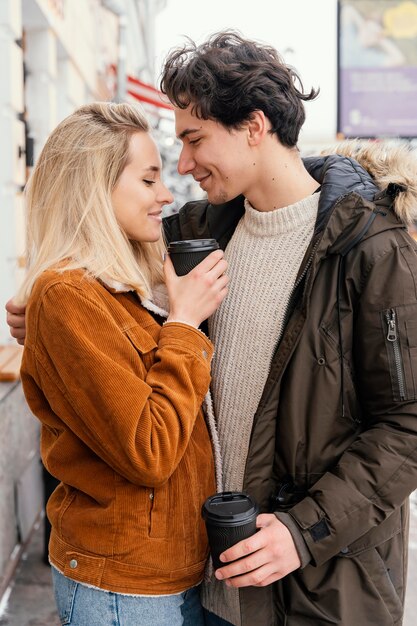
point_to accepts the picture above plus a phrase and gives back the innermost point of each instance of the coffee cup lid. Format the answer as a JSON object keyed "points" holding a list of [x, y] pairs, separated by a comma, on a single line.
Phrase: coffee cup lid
{"points": [[229, 507], [188, 245]]}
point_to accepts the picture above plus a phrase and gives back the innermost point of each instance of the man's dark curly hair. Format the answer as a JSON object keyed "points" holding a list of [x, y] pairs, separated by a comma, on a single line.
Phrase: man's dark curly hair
{"points": [[228, 77]]}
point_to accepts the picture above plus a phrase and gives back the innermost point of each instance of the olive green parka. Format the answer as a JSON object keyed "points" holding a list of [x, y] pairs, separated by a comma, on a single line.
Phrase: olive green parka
{"points": [[334, 438]]}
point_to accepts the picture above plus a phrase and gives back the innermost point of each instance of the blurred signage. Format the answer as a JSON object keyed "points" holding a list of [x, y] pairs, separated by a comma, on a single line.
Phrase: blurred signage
{"points": [[377, 68], [137, 89], [146, 93]]}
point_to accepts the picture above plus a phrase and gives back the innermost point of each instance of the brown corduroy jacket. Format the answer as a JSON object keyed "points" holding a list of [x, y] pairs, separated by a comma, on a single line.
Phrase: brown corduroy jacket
{"points": [[119, 399]]}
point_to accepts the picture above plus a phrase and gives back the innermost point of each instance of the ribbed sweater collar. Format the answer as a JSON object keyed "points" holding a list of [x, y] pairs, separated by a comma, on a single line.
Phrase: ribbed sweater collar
{"points": [[282, 220]]}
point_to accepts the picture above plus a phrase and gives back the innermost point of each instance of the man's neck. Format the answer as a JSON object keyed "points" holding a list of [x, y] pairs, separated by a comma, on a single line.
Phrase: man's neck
{"points": [[283, 180]]}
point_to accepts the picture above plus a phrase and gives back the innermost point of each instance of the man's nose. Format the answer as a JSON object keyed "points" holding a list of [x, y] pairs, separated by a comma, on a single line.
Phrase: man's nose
{"points": [[186, 163]]}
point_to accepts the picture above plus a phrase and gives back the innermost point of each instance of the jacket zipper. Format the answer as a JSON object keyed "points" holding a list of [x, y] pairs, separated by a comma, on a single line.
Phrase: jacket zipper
{"points": [[307, 267], [392, 338], [290, 305]]}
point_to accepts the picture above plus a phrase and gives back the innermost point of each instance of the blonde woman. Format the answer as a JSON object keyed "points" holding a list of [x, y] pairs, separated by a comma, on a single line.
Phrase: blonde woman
{"points": [[117, 388]]}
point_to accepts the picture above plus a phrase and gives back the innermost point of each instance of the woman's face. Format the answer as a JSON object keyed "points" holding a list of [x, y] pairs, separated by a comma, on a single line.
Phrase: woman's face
{"points": [[139, 194]]}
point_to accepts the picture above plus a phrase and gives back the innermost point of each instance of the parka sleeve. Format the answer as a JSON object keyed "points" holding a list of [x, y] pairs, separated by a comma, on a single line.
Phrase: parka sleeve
{"points": [[137, 419], [172, 230], [376, 474]]}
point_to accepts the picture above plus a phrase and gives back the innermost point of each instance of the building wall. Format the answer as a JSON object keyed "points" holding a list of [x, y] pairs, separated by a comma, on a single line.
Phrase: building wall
{"points": [[20, 475], [12, 161], [55, 56]]}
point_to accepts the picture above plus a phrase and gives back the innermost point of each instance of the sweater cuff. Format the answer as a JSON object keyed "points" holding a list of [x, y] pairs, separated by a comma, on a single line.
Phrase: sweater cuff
{"points": [[300, 544]]}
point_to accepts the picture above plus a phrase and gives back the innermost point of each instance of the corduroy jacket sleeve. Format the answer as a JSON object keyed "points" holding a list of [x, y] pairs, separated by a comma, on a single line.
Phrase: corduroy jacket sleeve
{"points": [[135, 410]]}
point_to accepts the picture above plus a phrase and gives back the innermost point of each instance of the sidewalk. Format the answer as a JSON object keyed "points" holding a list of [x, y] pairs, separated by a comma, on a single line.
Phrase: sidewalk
{"points": [[30, 601]]}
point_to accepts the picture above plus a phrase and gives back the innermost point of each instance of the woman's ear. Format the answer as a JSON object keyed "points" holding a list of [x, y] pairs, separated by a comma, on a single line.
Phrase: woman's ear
{"points": [[257, 127]]}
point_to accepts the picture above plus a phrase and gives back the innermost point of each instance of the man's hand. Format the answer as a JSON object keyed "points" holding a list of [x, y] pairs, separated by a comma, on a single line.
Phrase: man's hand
{"points": [[267, 556], [16, 321]]}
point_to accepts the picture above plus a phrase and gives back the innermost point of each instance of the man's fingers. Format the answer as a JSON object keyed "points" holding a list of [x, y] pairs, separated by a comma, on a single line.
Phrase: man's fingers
{"points": [[238, 568], [243, 548], [15, 321], [14, 309], [255, 578], [19, 334], [263, 519]]}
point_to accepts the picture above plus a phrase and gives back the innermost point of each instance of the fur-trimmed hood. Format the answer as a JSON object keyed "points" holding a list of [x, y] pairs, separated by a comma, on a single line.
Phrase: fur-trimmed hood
{"points": [[386, 164]]}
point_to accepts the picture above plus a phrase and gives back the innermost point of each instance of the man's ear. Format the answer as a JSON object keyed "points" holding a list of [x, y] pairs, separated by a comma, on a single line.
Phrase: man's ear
{"points": [[257, 127]]}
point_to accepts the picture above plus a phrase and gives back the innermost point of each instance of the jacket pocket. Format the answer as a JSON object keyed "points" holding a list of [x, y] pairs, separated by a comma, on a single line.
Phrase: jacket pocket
{"points": [[380, 556], [380, 582], [68, 500], [158, 511], [144, 345], [401, 345]]}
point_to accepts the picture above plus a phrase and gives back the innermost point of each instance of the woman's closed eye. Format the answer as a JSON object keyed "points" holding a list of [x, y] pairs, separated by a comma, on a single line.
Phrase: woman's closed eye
{"points": [[149, 182]]}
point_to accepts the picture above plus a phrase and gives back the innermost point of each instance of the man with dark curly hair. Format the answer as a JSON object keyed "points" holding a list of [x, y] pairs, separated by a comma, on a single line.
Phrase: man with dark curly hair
{"points": [[315, 370]]}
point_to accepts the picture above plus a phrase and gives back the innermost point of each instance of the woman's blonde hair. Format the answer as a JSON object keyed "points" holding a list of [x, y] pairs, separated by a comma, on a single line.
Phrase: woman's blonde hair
{"points": [[70, 218]]}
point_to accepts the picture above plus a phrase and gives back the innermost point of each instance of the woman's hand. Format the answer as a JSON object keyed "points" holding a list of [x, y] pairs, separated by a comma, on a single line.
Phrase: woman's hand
{"points": [[16, 321], [195, 296]]}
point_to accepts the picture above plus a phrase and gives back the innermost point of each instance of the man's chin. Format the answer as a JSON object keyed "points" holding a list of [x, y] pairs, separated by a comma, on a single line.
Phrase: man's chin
{"points": [[218, 198]]}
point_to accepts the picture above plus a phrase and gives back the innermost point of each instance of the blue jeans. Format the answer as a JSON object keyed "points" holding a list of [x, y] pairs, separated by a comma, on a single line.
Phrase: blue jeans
{"points": [[210, 619], [79, 605]]}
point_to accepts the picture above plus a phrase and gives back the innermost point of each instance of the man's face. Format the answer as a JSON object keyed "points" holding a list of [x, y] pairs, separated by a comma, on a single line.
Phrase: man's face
{"points": [[219, 159]]}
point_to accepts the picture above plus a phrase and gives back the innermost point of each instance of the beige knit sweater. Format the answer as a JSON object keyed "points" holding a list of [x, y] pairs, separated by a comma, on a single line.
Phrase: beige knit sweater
{"points": [[264, 256]]}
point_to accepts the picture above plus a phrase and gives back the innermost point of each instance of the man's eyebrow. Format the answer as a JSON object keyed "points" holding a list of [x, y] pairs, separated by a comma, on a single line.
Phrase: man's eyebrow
{"points": [[188, 131]]}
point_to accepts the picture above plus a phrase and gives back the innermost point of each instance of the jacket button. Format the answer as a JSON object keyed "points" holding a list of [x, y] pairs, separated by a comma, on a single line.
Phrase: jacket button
{"points": [[151, 496], [344, 550], [321, 361], [73, 563], [205, 355]]}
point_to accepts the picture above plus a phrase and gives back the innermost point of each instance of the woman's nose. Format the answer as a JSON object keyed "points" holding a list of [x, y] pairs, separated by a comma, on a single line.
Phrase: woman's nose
{"points": [[165, 197]]}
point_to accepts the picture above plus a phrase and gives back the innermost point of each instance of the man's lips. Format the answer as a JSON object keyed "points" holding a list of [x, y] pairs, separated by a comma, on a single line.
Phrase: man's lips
{"points": [[201, 179]]}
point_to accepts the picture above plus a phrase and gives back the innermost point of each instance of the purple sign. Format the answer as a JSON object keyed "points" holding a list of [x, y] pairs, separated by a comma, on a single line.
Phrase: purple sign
{"points": [[377, 68]]}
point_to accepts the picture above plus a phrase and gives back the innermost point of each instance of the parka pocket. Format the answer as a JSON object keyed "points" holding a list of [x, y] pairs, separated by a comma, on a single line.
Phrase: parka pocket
{"points": [[380, 554], [401, 344], [379, 580]]}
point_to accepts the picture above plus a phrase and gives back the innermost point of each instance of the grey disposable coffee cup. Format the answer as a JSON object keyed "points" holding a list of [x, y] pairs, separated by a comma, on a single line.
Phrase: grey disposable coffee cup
{"points": [[185, 255], [230, 516]]}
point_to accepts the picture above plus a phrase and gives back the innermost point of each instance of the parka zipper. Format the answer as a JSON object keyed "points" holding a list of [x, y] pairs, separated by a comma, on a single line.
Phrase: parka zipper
{"points": [[298, 282], [307, 267], [392, 338], [293, 297]]}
